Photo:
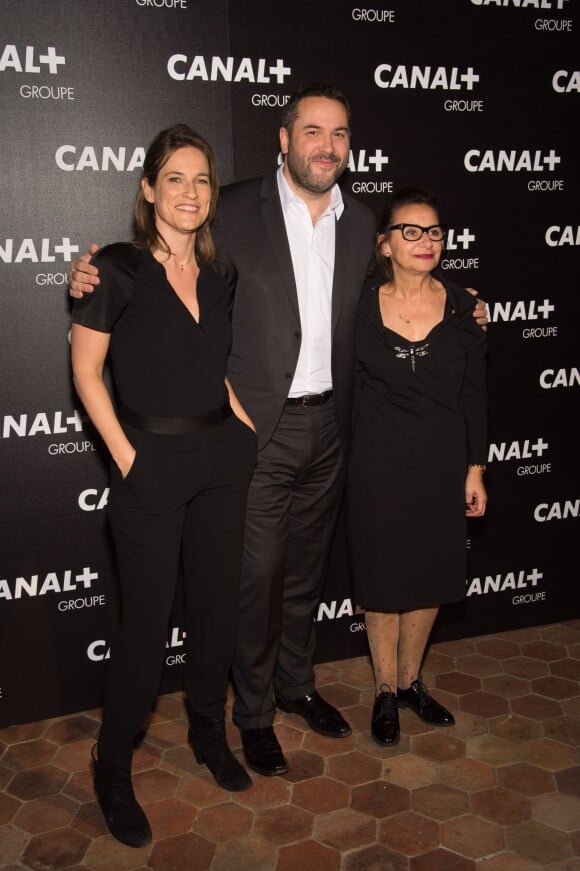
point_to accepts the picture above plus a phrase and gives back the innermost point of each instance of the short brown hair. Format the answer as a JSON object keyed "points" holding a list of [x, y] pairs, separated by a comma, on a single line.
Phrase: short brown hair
{"points": [[316, 89]]}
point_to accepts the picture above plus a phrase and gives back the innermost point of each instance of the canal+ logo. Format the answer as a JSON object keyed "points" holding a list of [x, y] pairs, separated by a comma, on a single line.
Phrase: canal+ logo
{"points": [[425, 78], [31, 60], [181, 68]]}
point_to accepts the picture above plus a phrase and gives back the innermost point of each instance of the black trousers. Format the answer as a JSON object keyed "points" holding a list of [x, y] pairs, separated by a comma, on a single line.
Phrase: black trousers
{"points": [[182, 491], [293, 501]]}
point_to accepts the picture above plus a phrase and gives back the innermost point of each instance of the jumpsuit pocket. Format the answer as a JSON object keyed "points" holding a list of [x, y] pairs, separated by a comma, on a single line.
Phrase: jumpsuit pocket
{"points": [[131, 471]]}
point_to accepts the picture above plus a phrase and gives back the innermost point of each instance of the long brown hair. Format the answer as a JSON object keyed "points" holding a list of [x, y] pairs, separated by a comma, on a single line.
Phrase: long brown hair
{"points": [[160, 150]]}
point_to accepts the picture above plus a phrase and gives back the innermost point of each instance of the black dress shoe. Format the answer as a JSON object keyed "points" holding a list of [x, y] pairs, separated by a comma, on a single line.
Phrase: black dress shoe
{"points": [[263, 752], [418, 699], [385, 720], [320, 716]]}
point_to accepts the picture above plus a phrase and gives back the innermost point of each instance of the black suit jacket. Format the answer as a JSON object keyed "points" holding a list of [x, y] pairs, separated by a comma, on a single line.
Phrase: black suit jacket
{"points": [[255, 259]]}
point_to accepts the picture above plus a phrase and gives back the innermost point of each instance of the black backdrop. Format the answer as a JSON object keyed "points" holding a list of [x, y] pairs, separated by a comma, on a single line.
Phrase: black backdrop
{"points": [[477, 100]]}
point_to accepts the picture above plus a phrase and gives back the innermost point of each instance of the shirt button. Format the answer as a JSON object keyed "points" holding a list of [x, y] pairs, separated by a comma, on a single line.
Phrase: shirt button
{"points": [[288, 376], [297, 335]]}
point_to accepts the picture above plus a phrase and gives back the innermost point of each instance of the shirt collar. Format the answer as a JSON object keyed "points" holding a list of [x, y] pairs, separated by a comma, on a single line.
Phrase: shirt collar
{"points": [[287, 196]]}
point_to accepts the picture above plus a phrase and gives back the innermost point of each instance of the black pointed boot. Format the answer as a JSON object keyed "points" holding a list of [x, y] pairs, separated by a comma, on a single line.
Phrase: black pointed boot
{"points": [[207, 736], [121, 810]]}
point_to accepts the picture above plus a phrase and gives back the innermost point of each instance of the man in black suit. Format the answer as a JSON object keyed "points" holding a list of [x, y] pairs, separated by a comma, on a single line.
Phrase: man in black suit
{"points": [[295, 251]]}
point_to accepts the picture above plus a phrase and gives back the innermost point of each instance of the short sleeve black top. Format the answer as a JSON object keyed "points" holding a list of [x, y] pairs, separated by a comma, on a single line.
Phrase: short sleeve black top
{"points": [[165, 363]]}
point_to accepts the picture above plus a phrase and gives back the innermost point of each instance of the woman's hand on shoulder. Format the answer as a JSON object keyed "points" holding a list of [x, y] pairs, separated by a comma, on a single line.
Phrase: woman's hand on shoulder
{"points": [[480, 310]]}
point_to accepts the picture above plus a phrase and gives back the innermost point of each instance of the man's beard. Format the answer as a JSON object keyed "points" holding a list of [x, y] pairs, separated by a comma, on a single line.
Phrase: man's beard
{"points": [[305, 176]]}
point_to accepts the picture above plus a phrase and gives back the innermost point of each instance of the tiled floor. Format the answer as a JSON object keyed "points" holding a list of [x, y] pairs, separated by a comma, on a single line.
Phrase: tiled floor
{"points": [[499, 791]]}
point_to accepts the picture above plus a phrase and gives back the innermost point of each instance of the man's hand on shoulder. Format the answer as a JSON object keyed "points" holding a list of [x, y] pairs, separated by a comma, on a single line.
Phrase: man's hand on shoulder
{"points": [[480, 310], [82, 275]]}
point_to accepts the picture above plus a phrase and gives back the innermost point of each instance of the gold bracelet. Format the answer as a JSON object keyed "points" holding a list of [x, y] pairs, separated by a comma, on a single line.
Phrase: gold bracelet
{"points": [[479, 466]]}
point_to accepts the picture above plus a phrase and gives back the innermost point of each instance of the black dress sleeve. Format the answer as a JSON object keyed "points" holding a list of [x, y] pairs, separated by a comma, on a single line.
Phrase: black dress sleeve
{"points": [[117, 266], [473, 397]]}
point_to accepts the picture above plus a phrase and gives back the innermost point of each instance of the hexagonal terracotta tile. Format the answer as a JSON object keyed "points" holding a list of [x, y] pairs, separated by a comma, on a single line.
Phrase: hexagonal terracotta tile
{"points": [[283, 825], [525, 667], [498, 648], [309, 854], [410, 771], [409, 833], [544, 650], [266, 792], [560, 811], [36, 782], [354, 768], [183, 851], [170, 817], [548, 754], [483, 704], [454, 649], [560, 634], [326, 747], [472, 837], [303, 765], [247, 854], [493, 750], [8, 808], [438, 746], [468, 725], [539, 842], [526, 779], [380, 799], [563, 729], [223, 822], [501, 806], [468, 774], [320, 795], [30, 754], [375, 858], [515, 729], [505, 685], [45, 814], [508, 862], [568, 781], [457, 682], [441, 860], [439, 801], [536, 707], [478, 665], [555, 687], [57, 849], [345, 829]]}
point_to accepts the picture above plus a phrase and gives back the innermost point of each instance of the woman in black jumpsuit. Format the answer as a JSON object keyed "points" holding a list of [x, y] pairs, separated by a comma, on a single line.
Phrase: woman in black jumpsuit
{"points": [[182, 451]]}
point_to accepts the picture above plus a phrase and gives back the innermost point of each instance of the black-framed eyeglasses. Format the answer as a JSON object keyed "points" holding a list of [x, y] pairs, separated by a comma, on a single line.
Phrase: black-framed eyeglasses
{"points": [[413, 232]]}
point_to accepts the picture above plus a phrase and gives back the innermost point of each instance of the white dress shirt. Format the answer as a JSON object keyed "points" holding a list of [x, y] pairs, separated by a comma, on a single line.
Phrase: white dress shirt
{"points": [[312, 250]]}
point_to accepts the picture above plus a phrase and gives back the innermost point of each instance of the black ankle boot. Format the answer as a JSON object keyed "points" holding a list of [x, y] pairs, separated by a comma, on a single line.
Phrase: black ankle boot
{"points": [[207, 736], [121, 810], [385, 721]]}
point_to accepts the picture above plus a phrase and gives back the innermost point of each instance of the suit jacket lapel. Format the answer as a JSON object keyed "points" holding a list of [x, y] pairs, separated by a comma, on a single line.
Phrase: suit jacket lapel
{"points": [[276, 230], [341, 259]]}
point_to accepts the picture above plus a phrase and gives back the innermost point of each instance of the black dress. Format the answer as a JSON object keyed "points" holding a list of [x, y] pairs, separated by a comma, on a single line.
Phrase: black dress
{"points": [[420, 418]]}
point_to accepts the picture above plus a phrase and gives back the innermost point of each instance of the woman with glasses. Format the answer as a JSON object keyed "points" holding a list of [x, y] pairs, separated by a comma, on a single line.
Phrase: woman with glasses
{"points": [[419, 449]]}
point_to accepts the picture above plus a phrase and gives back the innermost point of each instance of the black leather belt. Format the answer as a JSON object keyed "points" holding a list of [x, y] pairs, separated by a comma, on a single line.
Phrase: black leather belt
{"points": [[175, 425], [310, 399]]}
